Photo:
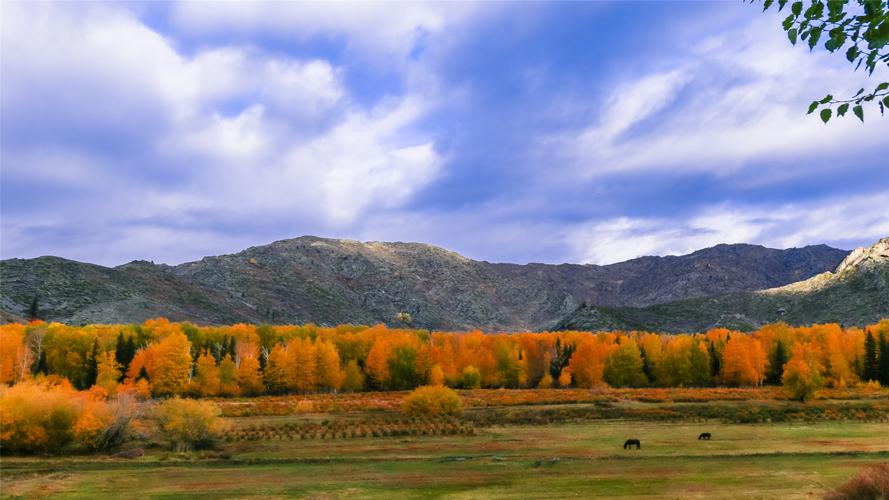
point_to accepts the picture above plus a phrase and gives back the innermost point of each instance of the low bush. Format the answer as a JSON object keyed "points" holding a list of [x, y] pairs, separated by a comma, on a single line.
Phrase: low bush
{"points": [[38, 417], [432, 400], [45, 416], [871, 483], [104, 425], [188, 424]]}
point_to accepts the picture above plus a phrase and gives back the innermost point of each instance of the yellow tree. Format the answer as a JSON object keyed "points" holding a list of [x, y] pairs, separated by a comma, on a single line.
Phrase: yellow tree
{"points": [[623, 368], [172, 365], [377, 363], [743, 361], [353, 379], [588, 362], [248, 377], [228, 376], [107, 372], [436, 375], [277, 374], [674, 367], [12, 348], [803, 373], [206, 380], [328, 373], [301, 354]]}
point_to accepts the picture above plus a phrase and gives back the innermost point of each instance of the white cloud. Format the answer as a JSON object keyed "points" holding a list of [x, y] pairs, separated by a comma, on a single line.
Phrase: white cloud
{"points": [[228, 130], [383, 29], [737, 100], [783, 226]]}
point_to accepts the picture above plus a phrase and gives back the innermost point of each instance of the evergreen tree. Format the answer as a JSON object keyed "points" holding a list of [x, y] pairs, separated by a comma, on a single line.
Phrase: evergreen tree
{"points": [[40, 367], [871, 359], [776, 366], [715, 360], [124, 352], [143, 375], [883, 368], [92, 367], [561, 355], [233, 347], [34, 309], [120, 347], [647, 366]]}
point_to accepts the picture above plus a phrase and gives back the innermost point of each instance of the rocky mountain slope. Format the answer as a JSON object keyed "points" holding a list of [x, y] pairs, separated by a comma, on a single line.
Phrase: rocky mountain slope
{"points": [[856, 293], [331, 281]]}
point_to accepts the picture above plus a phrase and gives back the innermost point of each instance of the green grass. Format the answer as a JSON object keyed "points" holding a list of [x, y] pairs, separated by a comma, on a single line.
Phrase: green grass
{"points": [[557, 460]]}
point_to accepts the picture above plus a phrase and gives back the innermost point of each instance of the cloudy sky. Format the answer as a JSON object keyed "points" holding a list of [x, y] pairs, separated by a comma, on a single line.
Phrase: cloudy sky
{"points": [[517, 132]]}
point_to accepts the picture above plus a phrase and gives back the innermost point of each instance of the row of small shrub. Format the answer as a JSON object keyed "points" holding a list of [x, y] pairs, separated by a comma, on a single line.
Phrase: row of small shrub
{"points": [[49, 416], [345, 429], [357, 432]]}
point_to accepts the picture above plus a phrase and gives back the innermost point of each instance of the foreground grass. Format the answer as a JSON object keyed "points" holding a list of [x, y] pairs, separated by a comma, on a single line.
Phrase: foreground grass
{"points": [[557, 460]]}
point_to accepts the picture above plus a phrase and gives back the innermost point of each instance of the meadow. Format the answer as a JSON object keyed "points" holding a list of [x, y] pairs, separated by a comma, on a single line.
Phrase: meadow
{"points": [[506, 444]]}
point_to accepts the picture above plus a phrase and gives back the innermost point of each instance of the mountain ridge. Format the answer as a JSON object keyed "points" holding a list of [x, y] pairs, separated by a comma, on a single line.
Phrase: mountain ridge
{"points": [[855, 293], [329, 281]]}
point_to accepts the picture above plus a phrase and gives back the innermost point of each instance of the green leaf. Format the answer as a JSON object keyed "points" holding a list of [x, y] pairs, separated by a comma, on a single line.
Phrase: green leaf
{"points": [[825, 114], [791, 34], [860, 91], [788, 22], [859, 112], [813, 40], [882, 86], [796, 8], [852, 53], [886, 100], [781, 4], [826, 99], [767, 4], [841, 111], [813, 107]]}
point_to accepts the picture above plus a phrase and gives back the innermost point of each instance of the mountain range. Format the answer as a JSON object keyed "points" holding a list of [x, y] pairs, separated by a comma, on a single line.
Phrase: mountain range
{"points": [[332, 281]]}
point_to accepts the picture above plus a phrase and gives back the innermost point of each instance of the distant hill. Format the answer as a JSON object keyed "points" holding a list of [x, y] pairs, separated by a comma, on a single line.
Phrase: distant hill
{"points": [[328, 281], [857, 292]]}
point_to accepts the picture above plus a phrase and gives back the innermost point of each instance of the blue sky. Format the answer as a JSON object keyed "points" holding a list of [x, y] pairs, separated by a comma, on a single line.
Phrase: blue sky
{"points": [[518, 132]]}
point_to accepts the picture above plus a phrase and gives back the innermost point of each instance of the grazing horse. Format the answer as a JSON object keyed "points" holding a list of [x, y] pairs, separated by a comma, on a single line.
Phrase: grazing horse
{"points": [[705, 436], [629, 443]]}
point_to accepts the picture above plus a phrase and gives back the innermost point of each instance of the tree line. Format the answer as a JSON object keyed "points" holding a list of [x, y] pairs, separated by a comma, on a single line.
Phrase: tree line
{"points": [[160, 358]]}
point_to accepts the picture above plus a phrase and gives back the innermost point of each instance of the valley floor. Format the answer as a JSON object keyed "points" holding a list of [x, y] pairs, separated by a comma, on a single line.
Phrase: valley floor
{"points": [[579, 458]]}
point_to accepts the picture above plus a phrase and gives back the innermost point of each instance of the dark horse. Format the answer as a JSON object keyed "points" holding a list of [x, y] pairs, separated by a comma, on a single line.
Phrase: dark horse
{"points": [[630, 443], [705, 436]]}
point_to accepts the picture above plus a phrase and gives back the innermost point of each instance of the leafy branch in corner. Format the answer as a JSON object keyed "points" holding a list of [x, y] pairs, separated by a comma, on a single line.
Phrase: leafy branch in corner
{"points": [[863, 33]]}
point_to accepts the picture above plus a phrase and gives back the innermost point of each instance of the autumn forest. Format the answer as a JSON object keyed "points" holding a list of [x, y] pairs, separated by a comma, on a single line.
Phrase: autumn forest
{"points": [[161, 358]]}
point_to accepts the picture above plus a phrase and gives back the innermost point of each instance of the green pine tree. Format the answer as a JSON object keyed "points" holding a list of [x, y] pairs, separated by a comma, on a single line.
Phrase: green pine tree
{"points": [[776, 364], [715, 360], [883, 367], [871, 359], [40, 367], [92, 367], [34, 309]]}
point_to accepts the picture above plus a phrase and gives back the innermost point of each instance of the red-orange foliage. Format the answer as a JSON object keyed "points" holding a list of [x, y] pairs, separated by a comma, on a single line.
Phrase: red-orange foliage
{"points": [[309, 358]]}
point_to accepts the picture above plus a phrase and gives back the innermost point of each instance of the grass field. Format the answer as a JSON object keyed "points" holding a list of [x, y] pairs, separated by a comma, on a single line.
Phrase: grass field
{"points": [[559, 459]]}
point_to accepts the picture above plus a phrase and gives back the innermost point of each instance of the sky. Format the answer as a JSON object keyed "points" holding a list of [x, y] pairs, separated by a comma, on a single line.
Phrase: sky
{"points": [[508, 132]]}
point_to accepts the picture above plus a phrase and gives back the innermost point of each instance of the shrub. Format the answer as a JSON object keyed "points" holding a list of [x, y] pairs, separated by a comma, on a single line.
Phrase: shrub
{"points": [[38, 417], [471, 378], [432, 400], [104, 425], [188, 423], [871, 483]]}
